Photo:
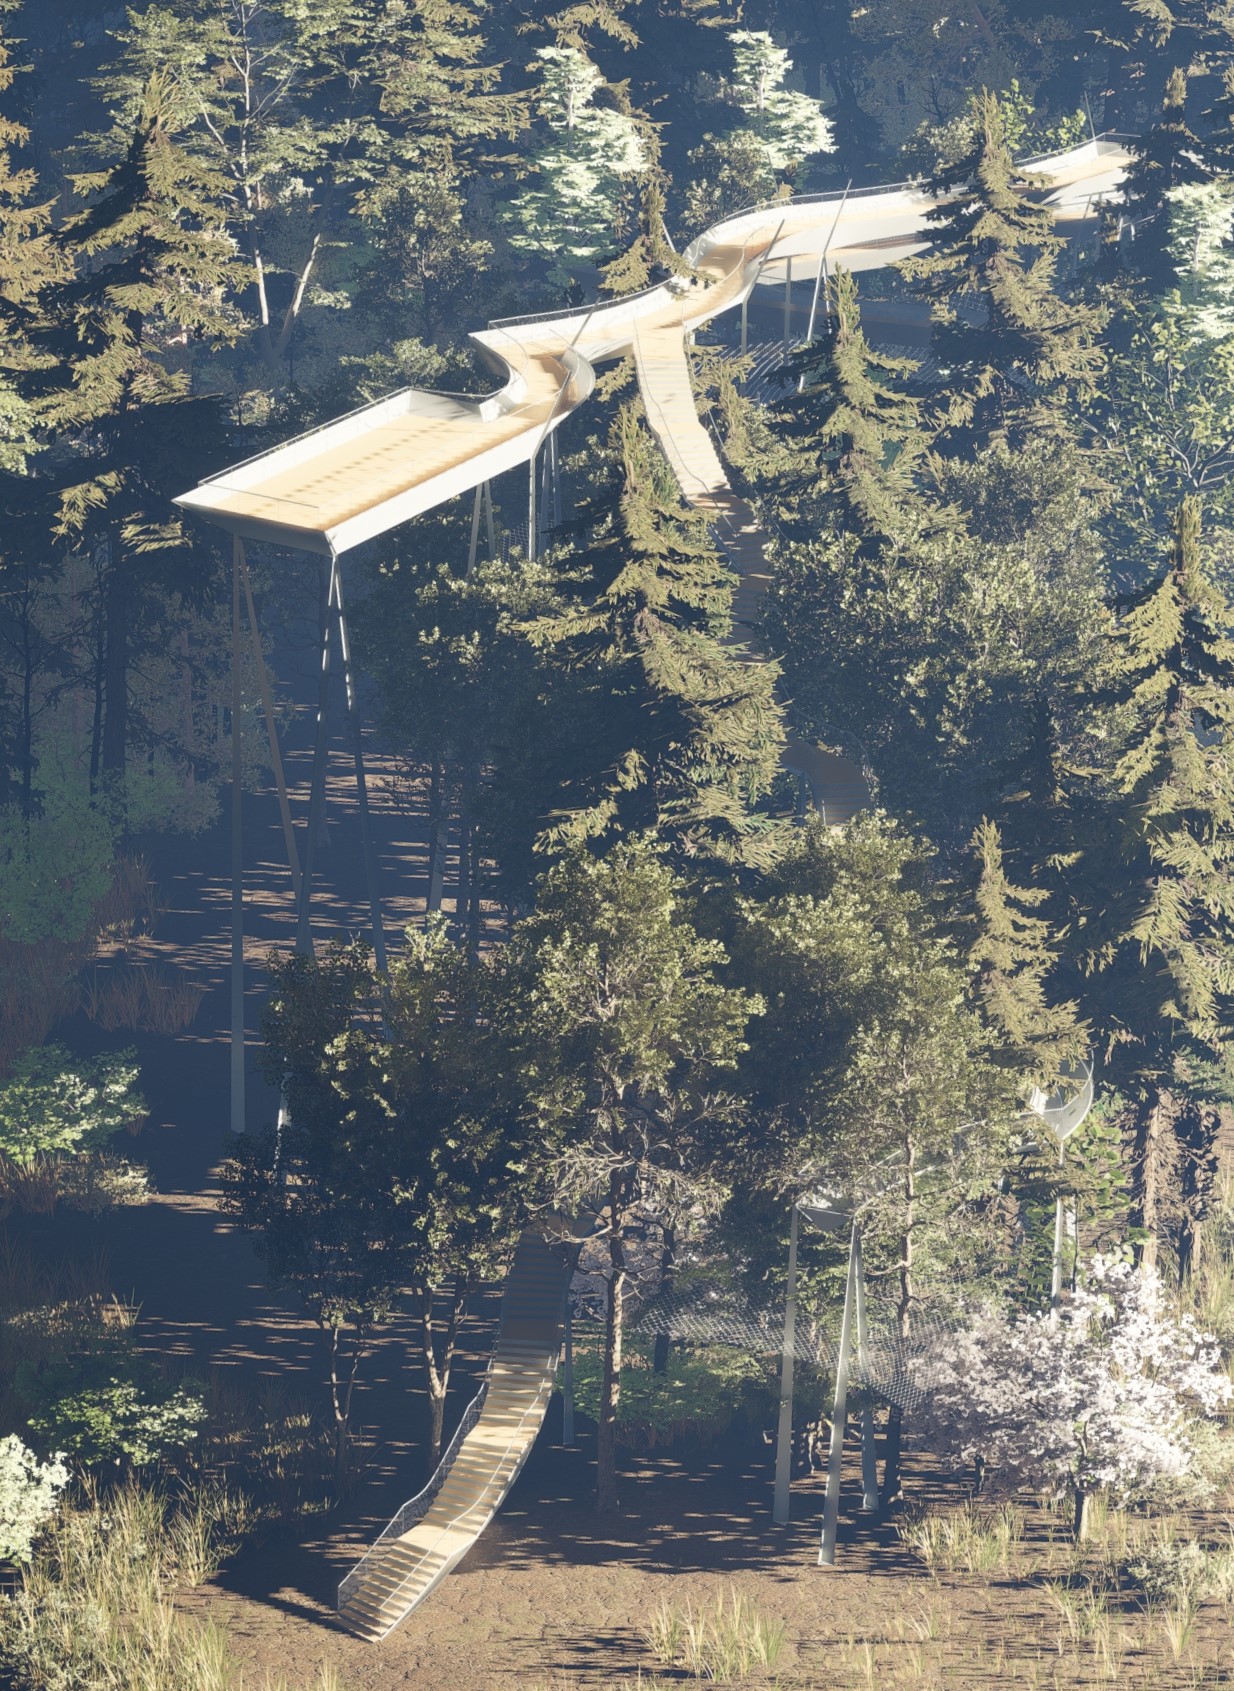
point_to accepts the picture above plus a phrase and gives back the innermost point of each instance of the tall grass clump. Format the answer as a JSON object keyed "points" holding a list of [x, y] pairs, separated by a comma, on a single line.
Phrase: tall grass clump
{"points": [[728, 1642], [965, 1540], [97, 1605]]}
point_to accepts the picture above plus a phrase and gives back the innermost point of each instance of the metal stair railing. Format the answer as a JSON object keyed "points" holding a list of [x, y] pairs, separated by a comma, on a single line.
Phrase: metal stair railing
{"points": [[418, 1506], [536, 1408]]}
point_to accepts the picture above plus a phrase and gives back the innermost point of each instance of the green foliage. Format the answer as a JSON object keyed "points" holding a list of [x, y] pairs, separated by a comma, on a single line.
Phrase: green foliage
{"points": [[55, 866], [55, 1104], [1010, 377], [571, 213], [127, 1418], [788, 127], [698, 1397]]}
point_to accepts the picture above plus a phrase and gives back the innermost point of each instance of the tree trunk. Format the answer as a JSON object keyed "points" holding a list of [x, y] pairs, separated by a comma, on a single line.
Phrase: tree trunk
{"points": [[437, 1368], [892, 1487], [1147, 1157], [1196, 1133], [1079, 1519], [116, 664], [610, 1390]]}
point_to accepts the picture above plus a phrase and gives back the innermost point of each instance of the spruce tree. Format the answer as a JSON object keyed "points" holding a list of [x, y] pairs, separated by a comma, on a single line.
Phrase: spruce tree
{"points": [[1011, 376], [656, 722], [1016, 958], [1167, 156], [852, 423], [1160, 883], [152, 266]]}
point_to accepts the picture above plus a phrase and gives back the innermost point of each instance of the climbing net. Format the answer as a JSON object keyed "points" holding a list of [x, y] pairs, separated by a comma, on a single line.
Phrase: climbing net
{"points": [[899, 1369]]}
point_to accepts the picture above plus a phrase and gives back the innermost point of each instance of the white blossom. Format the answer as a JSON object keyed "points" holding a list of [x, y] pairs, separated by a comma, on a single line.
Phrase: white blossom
{"points": [[1100, 1395], [29, 1490]]}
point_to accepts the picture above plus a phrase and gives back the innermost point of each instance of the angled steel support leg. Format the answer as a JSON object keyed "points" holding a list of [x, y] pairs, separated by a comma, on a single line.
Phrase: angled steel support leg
{"points": [[784, 1429], [357, 752], [531, 510], [237, 856], [839, 1414], [475, 530]]}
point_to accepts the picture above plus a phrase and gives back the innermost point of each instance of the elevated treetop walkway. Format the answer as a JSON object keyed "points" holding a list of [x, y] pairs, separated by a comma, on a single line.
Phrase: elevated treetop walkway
{"points": [[365, 473]]}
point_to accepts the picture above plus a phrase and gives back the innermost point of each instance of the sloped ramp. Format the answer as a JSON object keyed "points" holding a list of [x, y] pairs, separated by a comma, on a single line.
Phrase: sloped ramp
{"points": [[432, 1532], [837, 786]]}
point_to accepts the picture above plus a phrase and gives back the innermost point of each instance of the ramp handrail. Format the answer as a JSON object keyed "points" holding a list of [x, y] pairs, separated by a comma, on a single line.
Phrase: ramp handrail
{"points": [[418, 1506], [534, 1408]]}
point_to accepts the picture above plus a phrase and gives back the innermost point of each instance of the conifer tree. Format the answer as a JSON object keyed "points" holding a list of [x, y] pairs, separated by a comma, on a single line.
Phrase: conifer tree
{"points": [[1011, 376], [1016, 957], [30, 262], [659, 724], [1167, 156], [152, 266], [853, 425], [1161, 881]]}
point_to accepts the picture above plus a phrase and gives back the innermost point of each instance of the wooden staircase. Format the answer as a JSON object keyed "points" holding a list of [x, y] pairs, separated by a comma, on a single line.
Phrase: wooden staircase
{"points": [[432, 1532], [837, 786]]}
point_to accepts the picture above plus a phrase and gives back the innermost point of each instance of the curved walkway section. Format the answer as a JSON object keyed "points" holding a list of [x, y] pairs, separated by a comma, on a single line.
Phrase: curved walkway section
{"points": [[432, 1532], [351, 479]]}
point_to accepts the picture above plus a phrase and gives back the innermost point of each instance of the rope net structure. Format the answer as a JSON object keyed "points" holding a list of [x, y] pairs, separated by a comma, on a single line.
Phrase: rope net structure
{"points": [[897, 1369]]}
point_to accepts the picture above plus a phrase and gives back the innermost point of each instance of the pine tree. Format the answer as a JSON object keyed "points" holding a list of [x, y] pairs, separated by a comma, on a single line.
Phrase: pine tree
{"points": [[1161, 882], [1012, 376], [30, 262], [1016, 957], [658, 724], [152, 267], [851, 422], [570, 212], [1167, 156]]}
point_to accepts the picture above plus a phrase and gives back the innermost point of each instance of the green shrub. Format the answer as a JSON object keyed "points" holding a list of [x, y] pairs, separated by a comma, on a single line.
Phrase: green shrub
{"points": [[700, 1395], [105, 1411]]}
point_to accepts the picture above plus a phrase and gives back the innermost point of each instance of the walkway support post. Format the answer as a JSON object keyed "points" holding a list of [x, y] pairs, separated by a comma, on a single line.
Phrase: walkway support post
{"points": [[839, 1413], [745, 324], [788, 300], [317, 781], [267, 704], [531, 509], [475, 529], [1060, 1228], [784, 1429], [567, 1377], [869, 1456], [357, 752], [488, 513], [237, 856]]}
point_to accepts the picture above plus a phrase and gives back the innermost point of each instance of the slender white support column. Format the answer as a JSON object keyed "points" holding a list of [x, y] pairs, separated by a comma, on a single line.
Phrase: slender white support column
{"points": [[788, 301], [237, 858], [784, 1429], [531, 509], [357, 753], [839, 1414], [745, 324], [267, 703], [317, 783], [567, 1379], [488, 512], [869, 1458]]}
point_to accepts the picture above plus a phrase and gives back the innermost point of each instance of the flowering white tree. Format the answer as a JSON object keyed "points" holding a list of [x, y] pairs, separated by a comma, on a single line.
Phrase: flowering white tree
{"points": [[787, 126], [1201, 223], [569, 212], [29, 1490], [1101, 1395]]}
